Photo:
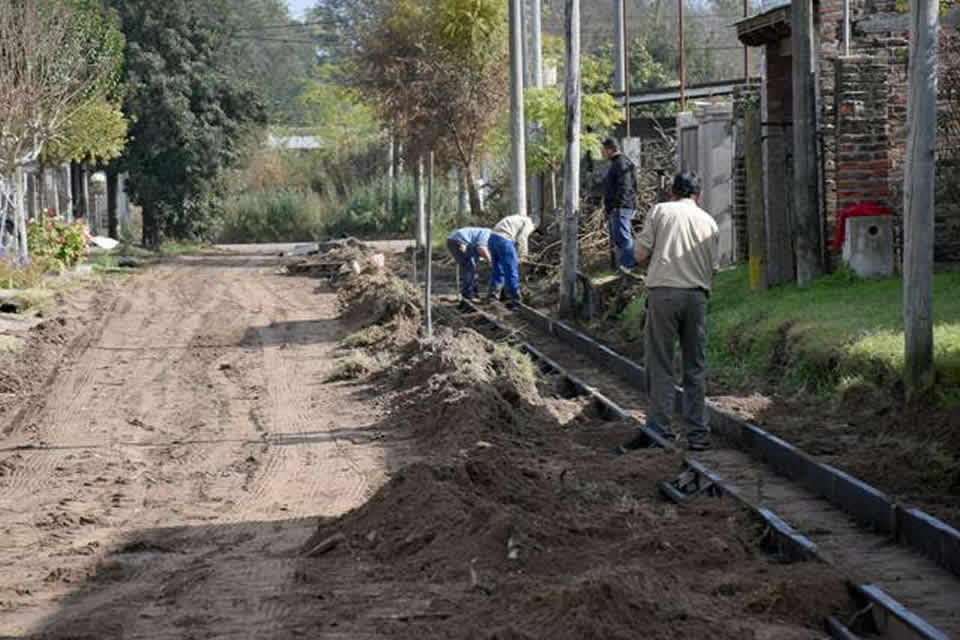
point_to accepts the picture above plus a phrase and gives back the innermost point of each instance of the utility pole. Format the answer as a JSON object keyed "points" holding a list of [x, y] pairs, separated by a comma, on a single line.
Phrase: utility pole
{"points": [[569, 229], [683, 64], [536, 70], [620, 50], [428, 310], [806, 188], [518, 147], [746, 50], [918, 201], [626, 67]]}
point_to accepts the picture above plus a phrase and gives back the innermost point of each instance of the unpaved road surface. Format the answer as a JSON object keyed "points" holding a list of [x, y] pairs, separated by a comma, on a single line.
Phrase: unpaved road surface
{"points": [[162, 483]]}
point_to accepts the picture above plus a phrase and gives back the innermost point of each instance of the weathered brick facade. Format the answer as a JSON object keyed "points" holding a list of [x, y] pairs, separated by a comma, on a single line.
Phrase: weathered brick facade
{"points": [[863, 111]]}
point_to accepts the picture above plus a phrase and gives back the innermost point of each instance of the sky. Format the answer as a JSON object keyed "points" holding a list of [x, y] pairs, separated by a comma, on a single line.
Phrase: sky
{"points": [[297, 7]]}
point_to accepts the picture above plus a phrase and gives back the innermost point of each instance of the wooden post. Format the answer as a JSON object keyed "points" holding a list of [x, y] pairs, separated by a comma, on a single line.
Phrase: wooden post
{"points": [[806, 187], [518, 159], [419, 231], [569, 229], [918, 202], [428, 315], [756, 227]]}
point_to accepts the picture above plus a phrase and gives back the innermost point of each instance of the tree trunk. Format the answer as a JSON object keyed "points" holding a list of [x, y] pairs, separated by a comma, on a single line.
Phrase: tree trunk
{"points": [[476, 206], [113, 222], [151, 228], [76, 179], [919, 194], [85, 179], [20, 214]]}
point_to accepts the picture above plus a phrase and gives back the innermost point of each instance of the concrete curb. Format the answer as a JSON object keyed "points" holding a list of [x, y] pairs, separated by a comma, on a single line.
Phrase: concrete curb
{"points": [[787, 542], [912, 527]]}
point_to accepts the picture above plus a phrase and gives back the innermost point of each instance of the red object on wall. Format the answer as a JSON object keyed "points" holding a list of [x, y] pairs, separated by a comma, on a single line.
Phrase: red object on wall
{"points": [[863, 209]]}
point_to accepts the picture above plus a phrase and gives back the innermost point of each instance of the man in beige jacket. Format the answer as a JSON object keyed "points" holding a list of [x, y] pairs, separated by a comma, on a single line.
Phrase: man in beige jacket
{"points": [[679, 243]]}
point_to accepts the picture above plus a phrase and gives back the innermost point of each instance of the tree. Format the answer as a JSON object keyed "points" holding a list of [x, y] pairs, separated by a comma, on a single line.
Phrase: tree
{"points": [[336, 113], [436, 72], [55, 57], [190, 107], [279, 55]]}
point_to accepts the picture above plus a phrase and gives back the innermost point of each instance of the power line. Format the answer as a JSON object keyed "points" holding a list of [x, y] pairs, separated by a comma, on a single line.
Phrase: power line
{"points": [[268, 39]]}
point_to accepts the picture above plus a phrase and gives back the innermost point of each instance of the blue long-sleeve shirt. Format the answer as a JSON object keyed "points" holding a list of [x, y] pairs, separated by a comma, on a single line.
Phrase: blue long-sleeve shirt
{"points": [[473, 237]]}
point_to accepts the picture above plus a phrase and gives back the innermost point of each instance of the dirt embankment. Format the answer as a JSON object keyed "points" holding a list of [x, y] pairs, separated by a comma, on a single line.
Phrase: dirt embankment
{"points": [[514, 521]]}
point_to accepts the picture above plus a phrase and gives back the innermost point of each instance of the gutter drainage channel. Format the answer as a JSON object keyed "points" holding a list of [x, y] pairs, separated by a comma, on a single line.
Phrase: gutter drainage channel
{"points": [[911, 527], [914, 527]]}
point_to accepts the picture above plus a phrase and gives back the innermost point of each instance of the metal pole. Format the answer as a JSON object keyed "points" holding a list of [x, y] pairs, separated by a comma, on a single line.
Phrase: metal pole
{"points": [[683, 71], [536, 27], [428, 315], [626, 66], [519, 152], [619, 52], [569, 229]]}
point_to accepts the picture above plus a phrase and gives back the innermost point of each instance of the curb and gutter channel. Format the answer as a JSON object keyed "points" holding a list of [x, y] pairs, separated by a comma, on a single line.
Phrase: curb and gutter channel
{"points": [[909, 527]]}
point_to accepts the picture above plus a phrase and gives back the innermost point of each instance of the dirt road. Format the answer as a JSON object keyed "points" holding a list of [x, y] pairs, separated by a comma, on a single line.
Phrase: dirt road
{"points": [[162, 483]]}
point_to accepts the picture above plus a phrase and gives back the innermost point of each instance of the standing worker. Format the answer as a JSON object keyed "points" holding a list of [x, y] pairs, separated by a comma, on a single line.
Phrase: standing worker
{"points": [[680, 243], [508, 244], [466, 245], [620, 203]]}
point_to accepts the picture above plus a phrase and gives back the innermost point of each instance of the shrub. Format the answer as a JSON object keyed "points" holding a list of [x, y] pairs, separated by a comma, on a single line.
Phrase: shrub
{"points": [[278, 215], [55, 243]]}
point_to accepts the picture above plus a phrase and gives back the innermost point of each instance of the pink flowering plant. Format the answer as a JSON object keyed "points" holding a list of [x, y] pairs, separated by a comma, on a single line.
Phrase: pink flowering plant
{"points": [[55, 242]]}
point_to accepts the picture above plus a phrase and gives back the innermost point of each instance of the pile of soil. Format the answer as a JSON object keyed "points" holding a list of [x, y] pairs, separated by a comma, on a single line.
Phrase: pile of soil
{"points": [[511, 525], [332, 259]]}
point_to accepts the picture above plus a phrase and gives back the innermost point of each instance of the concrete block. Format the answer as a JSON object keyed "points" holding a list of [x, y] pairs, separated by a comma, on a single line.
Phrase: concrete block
{"points": [[868, 246]]}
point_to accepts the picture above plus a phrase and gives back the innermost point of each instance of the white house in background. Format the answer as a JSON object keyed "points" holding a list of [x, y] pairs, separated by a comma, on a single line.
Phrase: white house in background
{"points": [[294, 143]]}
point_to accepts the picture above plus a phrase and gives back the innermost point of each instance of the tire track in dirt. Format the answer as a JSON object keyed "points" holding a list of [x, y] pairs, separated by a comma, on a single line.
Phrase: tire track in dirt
{"points": [[166, 404]]}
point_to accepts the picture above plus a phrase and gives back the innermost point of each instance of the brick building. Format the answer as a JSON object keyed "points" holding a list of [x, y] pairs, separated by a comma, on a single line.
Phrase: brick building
{"points": [[861, 96]]}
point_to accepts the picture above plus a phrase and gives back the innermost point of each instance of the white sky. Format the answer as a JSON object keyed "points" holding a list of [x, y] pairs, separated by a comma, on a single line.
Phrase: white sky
{"points": [[297, 7]]}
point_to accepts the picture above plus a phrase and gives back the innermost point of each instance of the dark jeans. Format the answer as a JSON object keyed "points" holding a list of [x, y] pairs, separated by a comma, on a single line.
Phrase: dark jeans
{"points": [[467, 263], [621, 236], [672, 315]]}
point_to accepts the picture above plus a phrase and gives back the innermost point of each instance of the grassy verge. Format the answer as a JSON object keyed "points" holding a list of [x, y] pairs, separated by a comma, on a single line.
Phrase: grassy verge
{"points": [[834, 335]]}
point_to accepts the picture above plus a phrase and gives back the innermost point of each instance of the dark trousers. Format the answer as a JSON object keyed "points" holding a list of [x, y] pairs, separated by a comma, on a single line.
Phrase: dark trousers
{"points": [[467, 264], [672, 315]]}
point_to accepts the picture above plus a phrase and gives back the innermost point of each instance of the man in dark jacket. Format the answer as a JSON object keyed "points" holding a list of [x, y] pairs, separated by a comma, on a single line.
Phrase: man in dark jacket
{"points": [[620, 203]]}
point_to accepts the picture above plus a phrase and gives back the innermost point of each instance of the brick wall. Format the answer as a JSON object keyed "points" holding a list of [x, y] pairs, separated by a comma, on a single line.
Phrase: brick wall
{"points": [[741, 94]]}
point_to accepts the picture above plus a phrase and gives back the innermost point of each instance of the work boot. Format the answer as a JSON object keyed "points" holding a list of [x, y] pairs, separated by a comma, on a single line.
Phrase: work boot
{"points": [[494, 295]]}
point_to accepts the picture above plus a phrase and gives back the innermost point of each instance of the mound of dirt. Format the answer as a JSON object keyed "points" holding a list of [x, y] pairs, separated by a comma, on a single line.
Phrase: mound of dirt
{"points": [[553, 541]]}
